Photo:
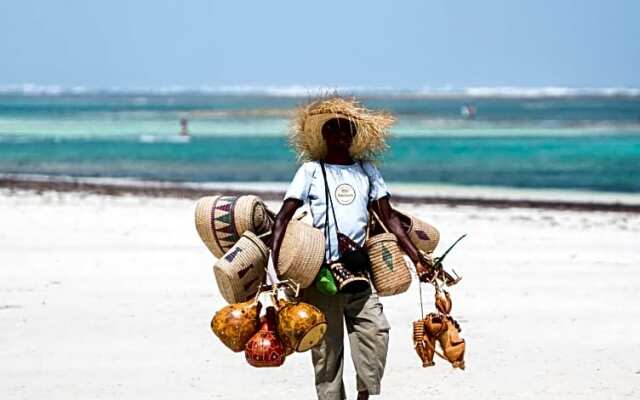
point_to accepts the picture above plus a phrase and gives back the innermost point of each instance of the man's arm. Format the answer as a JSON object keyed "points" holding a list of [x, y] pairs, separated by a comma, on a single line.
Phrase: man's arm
{"points": [[392, 222], [285, 214]]}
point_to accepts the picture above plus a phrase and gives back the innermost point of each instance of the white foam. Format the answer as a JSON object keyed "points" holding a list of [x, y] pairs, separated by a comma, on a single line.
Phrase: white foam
{"points": [[549, 91], [300, 90]]}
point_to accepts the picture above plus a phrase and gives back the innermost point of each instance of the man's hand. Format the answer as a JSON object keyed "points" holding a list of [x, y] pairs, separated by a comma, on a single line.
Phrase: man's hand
{"points": [[424, 268], [427, 273]]}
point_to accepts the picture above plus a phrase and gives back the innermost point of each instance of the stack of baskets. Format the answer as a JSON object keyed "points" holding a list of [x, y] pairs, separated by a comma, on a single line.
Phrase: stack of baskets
{"points": [[232, 228], [235, 229]]}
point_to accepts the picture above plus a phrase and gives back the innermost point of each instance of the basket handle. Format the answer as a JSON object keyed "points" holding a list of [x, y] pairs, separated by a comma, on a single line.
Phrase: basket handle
{"points": [[272, 215], [366, 234], [378, 220], [265, 234]]}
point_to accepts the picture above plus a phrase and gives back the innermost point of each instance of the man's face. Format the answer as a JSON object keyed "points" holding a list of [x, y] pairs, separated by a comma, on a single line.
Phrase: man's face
{"points": [[338, 133]]}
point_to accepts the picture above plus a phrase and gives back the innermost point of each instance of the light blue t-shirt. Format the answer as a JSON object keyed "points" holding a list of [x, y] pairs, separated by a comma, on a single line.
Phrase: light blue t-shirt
{"points": [[349, 188]]}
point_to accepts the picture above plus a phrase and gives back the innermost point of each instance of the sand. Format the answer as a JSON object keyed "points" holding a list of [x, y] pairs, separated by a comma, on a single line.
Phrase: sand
{"points": [[107, 297]]}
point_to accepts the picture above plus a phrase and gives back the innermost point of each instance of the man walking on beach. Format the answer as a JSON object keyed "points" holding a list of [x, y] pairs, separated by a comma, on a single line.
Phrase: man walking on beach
{"points": [[339, 139]]}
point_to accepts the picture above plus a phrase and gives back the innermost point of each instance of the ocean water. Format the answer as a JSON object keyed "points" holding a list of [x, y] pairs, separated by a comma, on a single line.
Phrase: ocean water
{"points": [[566, 142]]}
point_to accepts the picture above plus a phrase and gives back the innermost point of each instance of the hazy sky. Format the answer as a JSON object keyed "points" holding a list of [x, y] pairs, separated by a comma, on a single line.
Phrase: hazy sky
{"points": [[402, 44]]}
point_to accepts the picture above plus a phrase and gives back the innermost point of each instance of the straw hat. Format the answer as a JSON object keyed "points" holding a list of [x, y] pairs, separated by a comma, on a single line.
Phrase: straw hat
{"points": [[306, 132]]}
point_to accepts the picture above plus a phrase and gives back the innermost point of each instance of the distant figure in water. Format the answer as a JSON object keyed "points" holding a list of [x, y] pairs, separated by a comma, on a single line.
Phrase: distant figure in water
{"points": [[184, 131], [468, 111]]}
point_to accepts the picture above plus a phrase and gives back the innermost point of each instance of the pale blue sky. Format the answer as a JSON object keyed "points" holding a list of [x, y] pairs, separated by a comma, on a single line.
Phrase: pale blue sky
{"points": [[402, 44]]}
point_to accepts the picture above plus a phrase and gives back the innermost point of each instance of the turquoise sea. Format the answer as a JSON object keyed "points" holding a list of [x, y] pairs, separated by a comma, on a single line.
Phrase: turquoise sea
{"points": [[568, 142]]}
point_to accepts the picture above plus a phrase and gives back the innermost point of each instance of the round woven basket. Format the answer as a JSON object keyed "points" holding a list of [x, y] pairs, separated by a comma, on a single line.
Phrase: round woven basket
{"points": [[424, 236], [241, 270], [389, 272], [301, 253], [221, 220]]}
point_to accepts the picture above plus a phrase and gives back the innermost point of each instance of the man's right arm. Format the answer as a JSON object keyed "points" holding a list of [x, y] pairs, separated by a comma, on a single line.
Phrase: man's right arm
{"points": [[297, 194], [285, 214]]}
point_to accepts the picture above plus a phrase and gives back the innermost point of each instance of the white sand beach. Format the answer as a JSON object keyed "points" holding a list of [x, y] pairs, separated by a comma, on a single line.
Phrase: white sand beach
{"points": [[111, 297]]}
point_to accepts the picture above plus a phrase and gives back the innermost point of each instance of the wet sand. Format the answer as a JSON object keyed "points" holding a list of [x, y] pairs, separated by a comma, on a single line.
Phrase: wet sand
{"points": [[176, 190]]}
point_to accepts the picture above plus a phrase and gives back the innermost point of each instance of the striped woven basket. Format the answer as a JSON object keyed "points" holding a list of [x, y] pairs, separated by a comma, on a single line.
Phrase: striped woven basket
{"points": [[301, 253], [240, 272], [424, 236], [389, 272], [221, 220]]}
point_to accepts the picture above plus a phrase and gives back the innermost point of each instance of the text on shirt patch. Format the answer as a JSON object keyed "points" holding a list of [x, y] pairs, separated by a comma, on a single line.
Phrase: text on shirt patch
{"points": [[345, 194]]}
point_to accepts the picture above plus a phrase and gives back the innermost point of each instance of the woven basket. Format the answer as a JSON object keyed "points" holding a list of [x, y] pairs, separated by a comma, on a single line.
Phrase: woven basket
{"points": [[221, 220], [424, 236], [389, 272], [301, 253], [240, 272]]}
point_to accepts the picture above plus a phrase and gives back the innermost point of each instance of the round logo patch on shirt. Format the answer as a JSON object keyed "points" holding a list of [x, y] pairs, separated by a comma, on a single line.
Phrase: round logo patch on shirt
{"points": [[345, 194]]}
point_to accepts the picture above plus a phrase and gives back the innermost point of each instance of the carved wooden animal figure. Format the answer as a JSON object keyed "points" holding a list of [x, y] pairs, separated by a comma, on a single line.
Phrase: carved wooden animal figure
{"points": [[452, 344], [424, 351], [434, 325], [443, 301]]}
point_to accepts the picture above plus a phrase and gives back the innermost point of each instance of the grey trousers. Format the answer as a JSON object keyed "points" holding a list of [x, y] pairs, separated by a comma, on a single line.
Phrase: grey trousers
{"points": [[368, 331]]}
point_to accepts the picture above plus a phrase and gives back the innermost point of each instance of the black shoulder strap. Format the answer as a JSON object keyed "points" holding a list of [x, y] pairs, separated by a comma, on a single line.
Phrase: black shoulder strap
{"points": [[327, 233], [329, 201]]}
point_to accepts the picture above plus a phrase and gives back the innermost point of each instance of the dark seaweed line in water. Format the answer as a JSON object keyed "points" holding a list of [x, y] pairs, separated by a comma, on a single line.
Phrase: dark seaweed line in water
{"points": [[161, 189]]}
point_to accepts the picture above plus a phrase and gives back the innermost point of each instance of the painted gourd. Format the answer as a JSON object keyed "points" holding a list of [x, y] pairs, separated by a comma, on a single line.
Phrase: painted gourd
{"points": [[265, 349], [301, 326], [235, 324]]}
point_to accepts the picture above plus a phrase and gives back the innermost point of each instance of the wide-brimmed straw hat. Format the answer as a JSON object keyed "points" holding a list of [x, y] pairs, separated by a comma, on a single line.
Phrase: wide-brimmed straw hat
{"points": [[372, 128]]}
